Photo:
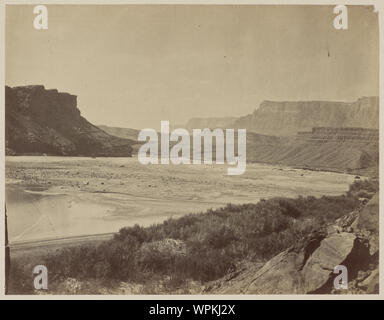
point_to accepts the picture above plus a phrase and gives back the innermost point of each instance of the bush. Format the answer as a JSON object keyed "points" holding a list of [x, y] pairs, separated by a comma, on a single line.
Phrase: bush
{"points": [[204, 263], [155, 260], [214, 241], [366, 186], [220, 238]]}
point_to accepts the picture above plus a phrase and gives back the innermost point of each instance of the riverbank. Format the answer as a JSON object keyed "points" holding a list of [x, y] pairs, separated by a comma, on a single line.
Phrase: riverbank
{"points": [[56, 197], [184, 255]]}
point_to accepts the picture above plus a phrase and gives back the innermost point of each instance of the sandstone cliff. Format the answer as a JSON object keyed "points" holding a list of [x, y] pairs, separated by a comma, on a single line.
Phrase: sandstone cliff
{"points": [[325, 135], [288, 118], [40, 121]]}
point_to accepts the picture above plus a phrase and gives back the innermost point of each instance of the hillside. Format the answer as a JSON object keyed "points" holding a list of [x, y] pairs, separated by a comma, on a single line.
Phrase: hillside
{"points": [[125, 133], [41, 121], [349, 153], [353, 150]]}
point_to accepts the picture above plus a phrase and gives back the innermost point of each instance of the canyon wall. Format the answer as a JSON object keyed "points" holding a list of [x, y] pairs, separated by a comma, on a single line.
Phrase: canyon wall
{"points": [[40, 121], [288, 118]]}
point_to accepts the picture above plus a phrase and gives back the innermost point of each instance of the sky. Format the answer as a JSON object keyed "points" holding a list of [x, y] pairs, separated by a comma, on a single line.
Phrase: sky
{"points": [[135, 65]]}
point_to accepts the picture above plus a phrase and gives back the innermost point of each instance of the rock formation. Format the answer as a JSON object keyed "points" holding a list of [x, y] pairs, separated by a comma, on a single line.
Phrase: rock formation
{"points": [[324, 135], [355, 150], [308, 266], [287, 118], [40, 121]]}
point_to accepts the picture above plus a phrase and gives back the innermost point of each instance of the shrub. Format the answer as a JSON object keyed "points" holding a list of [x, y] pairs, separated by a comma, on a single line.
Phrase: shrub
{"points": [[214, 241]]}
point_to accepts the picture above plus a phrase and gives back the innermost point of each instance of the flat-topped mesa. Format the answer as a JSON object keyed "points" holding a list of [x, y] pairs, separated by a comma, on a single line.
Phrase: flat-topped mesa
{"points": [[48, 121], [289, 117], [35, 98]]}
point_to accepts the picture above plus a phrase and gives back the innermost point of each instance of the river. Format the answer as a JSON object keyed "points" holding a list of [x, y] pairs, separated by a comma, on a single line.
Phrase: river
{"points": [[54, 197]]}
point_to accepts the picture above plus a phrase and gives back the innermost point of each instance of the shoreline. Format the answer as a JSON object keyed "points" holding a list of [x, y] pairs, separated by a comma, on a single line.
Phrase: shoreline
{"points": [[95, 196], [371, 172]]}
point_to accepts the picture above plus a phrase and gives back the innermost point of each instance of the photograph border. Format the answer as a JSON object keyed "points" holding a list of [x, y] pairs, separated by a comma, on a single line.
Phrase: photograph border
{"points": [[379, 7]]}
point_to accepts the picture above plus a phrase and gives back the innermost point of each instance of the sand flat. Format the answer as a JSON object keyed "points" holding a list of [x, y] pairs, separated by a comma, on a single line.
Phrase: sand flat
{"points": [[52, 197]]}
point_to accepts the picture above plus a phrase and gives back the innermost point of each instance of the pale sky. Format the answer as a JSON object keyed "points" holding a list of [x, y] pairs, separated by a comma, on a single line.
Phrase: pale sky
{"points": [[132, 65]]}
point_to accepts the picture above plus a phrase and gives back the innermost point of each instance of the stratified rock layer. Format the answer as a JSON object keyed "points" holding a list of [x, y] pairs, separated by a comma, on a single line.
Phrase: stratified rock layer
{"points": [[40, 121], [288, 118], [308, 266]]}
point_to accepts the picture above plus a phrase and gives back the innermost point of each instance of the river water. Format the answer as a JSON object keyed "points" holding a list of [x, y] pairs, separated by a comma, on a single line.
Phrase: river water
{"points": [[54, 197]]}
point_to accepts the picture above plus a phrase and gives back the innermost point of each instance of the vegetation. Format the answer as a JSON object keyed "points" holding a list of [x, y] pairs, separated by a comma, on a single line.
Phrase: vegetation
{"points": [[204, 246]]}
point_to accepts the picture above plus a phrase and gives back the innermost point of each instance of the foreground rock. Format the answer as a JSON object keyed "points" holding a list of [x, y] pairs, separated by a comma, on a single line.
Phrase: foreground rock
{"points": [[40, 121], [308, 266]]}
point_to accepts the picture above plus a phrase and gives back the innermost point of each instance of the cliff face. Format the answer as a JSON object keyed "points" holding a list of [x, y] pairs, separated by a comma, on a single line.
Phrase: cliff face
{"points": [[287, 118], [41, 121]]}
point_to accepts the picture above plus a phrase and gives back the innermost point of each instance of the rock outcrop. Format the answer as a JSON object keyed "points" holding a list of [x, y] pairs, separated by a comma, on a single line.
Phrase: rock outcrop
{"points": [[287, 118], [40, 121], [308, 266], [324, 135], [339, 134]]}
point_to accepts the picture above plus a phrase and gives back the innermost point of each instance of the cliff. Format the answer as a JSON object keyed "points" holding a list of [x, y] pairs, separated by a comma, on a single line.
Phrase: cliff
{"points": [[40, 121], [326, 135], [288, 118]]}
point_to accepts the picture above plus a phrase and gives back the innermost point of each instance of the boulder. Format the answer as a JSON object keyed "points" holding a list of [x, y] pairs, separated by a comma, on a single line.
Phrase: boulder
{"points": [[371, 283], [308, 266], [304, 271], [369, 216]]}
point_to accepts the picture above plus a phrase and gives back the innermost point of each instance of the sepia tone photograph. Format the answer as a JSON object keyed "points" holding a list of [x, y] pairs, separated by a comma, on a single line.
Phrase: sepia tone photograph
{"points": [[191, 149]]}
